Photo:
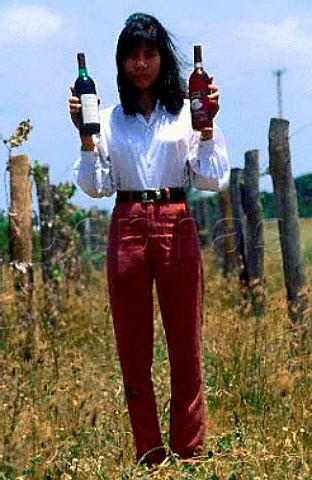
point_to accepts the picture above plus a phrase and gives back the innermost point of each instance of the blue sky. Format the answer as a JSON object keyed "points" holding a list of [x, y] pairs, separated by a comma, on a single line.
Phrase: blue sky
{"points": [[244, 43]]}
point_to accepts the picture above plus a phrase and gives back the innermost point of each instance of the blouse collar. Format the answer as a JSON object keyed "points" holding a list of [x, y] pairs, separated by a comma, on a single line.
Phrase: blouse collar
{"points": [[158, 108]]}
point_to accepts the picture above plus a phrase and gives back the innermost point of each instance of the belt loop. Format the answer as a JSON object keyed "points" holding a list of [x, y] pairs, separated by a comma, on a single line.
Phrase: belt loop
{"points": [[167, 191]]}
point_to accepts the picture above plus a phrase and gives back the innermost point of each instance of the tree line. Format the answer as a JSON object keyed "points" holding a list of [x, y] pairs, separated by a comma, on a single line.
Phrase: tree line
{"points": [[303, 184]]}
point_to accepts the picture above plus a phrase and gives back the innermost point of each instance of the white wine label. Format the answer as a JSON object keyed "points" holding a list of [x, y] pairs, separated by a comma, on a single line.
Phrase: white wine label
{"points": [[89, 108]]}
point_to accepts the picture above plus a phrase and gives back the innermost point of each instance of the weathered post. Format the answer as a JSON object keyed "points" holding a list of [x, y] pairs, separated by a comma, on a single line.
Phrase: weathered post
{"points": [[201, 215], [46, 215], [218, 234], [1, 270], [226, 229], [254, 232], [4, 223], [239, 222], [288, 222], [20, 241], [58, 233], [51, 307], [1, 292]]}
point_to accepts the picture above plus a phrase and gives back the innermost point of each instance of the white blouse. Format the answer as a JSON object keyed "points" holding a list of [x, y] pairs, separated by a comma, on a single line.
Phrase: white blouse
{"points": [[134, 154]]}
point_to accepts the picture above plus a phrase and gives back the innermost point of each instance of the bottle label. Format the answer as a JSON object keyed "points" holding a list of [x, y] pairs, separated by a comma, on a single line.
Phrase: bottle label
{"points": [[196, 104], [89, 108], [199, 103]]}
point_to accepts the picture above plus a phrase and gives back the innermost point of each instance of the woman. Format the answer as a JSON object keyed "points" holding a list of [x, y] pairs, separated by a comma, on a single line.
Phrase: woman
{"points": [[148, 153]]}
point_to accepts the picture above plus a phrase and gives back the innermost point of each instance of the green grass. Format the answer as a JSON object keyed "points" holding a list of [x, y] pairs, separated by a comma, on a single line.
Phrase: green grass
{"points": [[272, 244], [64, 417]]}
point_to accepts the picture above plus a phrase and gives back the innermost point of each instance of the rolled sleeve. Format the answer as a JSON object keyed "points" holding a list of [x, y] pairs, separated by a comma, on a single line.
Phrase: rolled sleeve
{"points": [[93, 172], [210, 168]]}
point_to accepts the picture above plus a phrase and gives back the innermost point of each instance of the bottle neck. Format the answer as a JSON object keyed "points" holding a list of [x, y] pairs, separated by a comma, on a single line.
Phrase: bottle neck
{"points": [[82, 69], [198, 62], [82, 72], [198, 65]]}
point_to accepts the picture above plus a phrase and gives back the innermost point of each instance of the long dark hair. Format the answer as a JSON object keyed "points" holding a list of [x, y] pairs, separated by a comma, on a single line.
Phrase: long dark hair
{"points": [[170, 87]]}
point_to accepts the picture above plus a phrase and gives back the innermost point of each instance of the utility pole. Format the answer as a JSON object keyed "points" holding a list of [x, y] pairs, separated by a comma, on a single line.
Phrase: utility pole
{"points": [[279, 74]]}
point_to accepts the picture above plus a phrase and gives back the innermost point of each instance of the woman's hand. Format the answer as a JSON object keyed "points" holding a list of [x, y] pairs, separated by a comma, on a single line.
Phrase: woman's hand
{"points": [[213, 104], [213, 98], [87, 143], [74, 107]]}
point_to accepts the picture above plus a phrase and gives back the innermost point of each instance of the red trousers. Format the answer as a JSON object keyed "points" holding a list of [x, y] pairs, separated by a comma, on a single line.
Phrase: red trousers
{"points": [[158, 242]]}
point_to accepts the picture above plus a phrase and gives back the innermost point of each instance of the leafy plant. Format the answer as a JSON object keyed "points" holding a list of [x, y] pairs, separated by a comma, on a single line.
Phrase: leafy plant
{"points": [[19, 135]]}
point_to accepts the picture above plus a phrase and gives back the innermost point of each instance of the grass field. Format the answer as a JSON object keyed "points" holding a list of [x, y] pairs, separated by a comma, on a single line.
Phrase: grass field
{"points": [[64, 415]]}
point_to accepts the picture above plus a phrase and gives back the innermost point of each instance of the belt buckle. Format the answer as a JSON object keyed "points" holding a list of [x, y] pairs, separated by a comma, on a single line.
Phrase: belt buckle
{"points": [[157, 198], [145, 198]]}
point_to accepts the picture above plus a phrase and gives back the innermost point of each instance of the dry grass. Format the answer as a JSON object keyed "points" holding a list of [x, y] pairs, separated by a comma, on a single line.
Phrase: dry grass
{"points": [[63, 416]]}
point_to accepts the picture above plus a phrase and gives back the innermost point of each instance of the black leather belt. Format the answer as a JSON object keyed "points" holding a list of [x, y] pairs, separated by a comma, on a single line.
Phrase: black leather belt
{"points": [[151, 195]]}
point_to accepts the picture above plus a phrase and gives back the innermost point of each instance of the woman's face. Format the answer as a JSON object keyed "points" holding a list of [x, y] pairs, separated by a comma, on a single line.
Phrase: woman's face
{"points": [[142, 67]]}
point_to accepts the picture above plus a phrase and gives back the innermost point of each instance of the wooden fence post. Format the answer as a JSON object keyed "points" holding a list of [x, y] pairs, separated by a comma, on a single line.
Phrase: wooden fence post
{"points": [[204, 216], [2, 289], [198, 214], [288, 222], [1, 307], [51, 307], [237, 198], [226, 228], [20, 241], [58, 234], [254, 232], [46, 215], [218, 234], [1, 270]]}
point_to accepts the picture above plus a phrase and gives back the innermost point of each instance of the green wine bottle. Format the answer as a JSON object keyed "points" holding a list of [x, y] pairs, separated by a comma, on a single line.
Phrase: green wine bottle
{"points": [[89, 120]]}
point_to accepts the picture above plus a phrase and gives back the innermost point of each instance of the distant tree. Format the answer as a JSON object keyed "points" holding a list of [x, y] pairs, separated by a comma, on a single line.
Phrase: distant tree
{"points": [[304, 194], [268, 203], [303, 185]]}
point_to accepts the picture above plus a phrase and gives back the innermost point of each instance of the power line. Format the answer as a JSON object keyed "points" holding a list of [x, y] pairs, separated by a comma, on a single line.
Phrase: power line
{"points": [[300, 129]]}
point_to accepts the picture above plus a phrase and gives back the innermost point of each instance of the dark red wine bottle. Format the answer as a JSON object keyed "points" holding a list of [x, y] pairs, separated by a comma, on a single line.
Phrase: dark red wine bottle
{"points": [[89, 120], [198, 91]]}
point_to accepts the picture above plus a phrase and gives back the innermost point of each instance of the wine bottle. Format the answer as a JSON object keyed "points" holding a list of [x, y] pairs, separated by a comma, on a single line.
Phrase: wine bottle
{"points": [[89, 120], [198, 91]]}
